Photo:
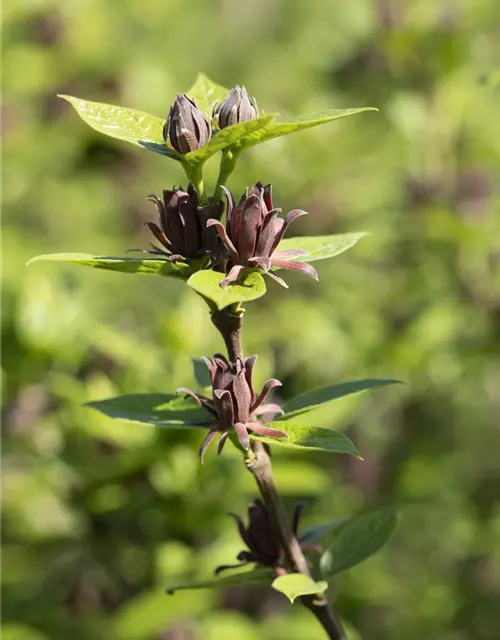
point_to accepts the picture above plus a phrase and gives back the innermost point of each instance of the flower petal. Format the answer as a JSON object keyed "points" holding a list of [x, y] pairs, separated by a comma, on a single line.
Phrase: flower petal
{"points": [[291, 265], [206, 443], [232, 276], [270, 384], [278, 279], [222, 442], [242, 434], [296, 213], [260, 261], [269, 408], [290, 253], [221, 230], [262, 430], [159, 235], [224, 406], [201, 400]]}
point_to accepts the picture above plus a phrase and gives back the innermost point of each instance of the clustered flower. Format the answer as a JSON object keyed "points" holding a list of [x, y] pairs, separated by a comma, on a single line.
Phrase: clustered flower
{"points": [[234, 404], [264, 547], [182, 229], [252, 233], [250, 236]]}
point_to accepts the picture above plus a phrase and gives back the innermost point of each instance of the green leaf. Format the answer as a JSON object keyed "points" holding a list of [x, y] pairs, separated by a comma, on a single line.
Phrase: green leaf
{"points": [[250, 286], [147, 266], [316, 534], [226, 138], [137, 127], [158, 409], [359, 538], [313, 399], [201, 373], [294, 585], [322, 247], [256, 577], [207, 93], [277, 129], [312, 438]]}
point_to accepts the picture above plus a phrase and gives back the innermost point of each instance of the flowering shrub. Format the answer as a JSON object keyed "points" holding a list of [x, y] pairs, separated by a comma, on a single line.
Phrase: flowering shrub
{"points": [[222, 258]]}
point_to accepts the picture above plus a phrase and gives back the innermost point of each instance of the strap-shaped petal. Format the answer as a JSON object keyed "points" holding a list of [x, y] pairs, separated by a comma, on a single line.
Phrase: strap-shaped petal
{"points": [[206, 403], [242, 433], [224, 406], [221, 230], [206, 442], [232, 276], [269, 407], [289, 253], [160, 236], [278, 279], [262, 430], [292, 265], [261, 262], [270, 384], [296, 213]]}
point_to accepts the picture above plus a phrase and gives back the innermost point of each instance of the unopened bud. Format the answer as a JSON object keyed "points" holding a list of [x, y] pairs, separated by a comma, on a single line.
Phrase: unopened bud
{"points": [[237, 107], [187, 127]]}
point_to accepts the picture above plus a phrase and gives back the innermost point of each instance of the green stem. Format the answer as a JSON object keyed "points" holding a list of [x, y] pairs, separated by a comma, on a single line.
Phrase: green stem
{"points": [[227, 165], [194, 173]]}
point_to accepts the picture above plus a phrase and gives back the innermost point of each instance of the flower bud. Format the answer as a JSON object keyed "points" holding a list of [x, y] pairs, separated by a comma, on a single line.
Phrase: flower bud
{"points": [[237, 107], [182, 231], [187, 128]]}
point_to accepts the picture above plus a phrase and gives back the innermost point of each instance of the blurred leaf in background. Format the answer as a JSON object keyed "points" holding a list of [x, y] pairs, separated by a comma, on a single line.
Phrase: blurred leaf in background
{"points": [[99, 516]]}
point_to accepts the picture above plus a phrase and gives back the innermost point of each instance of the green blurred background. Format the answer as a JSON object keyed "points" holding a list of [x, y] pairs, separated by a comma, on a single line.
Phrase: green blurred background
{"points": [[99, 517]]}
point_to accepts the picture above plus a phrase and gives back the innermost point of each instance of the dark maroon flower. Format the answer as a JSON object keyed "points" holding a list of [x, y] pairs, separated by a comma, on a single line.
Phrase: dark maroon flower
{"points": [[187, 128], [264, 547], [252, 234], [183, 231], [234, 403], [237, 107]]}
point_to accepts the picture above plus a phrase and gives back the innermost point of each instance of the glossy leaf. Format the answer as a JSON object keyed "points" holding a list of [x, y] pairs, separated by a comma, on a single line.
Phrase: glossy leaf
{"points": [[256, 577], [316, 534], [278, 129], [313, 399], [322, 247], [158, 409], [207, 284], [294, 585], [137, 127], [359, 538], [226, 138], [312, 438], [146, 266], [207, 93]]}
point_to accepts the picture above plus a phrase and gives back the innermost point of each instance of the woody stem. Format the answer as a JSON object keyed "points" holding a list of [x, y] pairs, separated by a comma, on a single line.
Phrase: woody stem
{"points": [[229, 323]]}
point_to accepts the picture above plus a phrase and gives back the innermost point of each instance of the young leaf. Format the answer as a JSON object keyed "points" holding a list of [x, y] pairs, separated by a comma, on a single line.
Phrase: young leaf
{"points": [[147, 266], [207, 284], [294, 585], [255, 577], [206, 93], [158, 409], [137, 127], [277, 129], [227, 137], [313, 399], [359, 538], [322, 247], [316, 534], [312, 438]]}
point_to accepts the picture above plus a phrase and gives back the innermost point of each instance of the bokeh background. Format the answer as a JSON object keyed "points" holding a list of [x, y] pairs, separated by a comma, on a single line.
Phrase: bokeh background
{"points": [[100, 516]]}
